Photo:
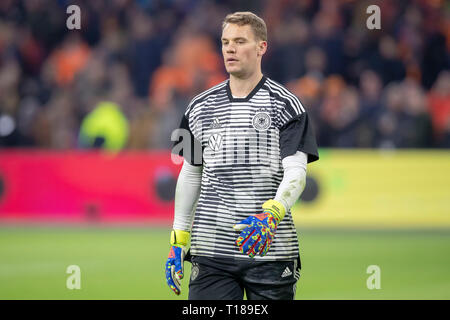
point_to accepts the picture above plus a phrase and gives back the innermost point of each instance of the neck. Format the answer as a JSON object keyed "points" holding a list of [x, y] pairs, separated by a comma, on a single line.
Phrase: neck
{"points": [[241, 87]]}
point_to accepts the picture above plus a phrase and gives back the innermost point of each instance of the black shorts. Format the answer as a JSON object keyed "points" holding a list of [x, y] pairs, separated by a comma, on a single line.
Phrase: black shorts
{"points": [[228, 279]]}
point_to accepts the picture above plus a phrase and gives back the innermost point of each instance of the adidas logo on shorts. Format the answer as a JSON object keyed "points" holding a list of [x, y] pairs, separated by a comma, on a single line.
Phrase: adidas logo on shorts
{"points": [[287, 272]]}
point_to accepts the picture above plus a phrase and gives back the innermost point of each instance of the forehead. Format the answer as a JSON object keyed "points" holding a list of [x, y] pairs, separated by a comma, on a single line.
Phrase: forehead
{"points": [[232, 31]]}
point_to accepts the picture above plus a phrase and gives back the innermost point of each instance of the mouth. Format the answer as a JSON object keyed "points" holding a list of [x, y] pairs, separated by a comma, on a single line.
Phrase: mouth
{"points": [[231, 60]]}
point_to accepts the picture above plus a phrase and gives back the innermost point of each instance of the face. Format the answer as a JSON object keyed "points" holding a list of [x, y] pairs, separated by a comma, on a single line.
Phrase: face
{"points": [[242, 52]]}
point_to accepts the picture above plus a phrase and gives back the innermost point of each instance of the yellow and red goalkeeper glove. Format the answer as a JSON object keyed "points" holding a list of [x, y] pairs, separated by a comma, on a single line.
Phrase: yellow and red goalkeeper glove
{"points": [[258, 231], [175, 261]]}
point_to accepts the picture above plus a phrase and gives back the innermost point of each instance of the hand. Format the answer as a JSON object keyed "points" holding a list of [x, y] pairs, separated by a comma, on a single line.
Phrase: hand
{"points": [[174, 268], [258, 231], [175, 260]]}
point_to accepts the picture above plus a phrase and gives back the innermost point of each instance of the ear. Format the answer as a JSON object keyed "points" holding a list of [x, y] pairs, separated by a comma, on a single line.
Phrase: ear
{"points": [[262, 48]]}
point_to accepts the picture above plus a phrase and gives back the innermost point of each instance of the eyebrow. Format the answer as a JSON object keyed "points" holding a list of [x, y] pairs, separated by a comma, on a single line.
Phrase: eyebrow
{"points": [[235, 39]]}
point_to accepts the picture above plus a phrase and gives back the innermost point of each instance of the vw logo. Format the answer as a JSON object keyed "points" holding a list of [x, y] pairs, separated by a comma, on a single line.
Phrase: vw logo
{"points": [[215, 141]]}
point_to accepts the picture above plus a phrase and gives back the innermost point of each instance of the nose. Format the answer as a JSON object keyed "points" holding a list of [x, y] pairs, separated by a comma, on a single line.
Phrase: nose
{"points": [[230, 49]]}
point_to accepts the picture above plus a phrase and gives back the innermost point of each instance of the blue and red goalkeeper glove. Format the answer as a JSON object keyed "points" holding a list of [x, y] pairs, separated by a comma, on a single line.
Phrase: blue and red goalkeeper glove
{"points": [[258, 231], [175, 260]]}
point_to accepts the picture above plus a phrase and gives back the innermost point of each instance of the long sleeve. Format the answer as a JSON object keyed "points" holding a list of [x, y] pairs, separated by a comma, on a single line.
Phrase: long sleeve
{"points": [[294, 179], [186, 195]]}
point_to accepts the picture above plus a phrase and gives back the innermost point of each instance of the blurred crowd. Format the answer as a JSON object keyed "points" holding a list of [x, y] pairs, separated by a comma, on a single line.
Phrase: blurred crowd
{"points": [[387, 88]]}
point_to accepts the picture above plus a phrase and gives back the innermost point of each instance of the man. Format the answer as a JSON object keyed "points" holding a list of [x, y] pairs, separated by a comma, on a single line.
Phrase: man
{"points": [[246, 144]]}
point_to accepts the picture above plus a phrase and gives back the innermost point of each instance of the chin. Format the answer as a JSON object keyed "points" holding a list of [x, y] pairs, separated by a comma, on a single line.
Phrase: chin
{"points": [[236, 72], [232, 70]]}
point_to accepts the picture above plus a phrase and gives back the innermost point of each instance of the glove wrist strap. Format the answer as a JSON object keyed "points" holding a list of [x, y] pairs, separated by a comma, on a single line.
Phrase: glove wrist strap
{"points": [[179, 237], [276, 208]]}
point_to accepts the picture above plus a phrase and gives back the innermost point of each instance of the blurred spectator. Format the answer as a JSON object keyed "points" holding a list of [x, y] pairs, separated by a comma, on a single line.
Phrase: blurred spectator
{"points": [[387, 88], [145, 51], [67, 60], [444, 142], [105, 127], [386, 61], [417, 127], [404, 123], [291, 44], [327, 34], [315, 62], [370, 87], [387, 130], [435, 57], [439, 106]]}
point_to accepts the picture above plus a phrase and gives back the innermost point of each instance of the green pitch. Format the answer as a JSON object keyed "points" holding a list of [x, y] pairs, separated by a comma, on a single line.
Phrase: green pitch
{"points": [[129, 264]]}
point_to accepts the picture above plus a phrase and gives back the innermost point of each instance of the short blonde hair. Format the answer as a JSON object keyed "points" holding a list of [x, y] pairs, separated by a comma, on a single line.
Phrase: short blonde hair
{"points": [[248, 18]]}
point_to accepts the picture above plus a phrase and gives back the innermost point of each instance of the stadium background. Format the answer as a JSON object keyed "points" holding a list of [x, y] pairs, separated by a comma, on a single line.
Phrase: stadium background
{"points": [[85, 120]]}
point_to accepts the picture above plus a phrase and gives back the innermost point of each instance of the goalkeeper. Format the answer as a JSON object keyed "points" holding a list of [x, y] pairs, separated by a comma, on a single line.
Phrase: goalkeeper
{"points": [[246, 143]]}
